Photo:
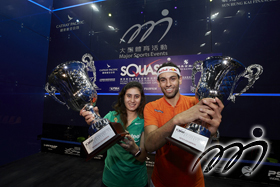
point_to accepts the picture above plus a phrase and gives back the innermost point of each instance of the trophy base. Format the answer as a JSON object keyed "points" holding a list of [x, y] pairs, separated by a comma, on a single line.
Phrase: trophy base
{"points": [[103, 139], [187, 140]]}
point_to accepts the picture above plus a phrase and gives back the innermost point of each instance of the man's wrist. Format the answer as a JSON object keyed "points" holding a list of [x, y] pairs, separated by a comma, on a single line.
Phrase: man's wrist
{"points": [[216, 136], [175, 121]]}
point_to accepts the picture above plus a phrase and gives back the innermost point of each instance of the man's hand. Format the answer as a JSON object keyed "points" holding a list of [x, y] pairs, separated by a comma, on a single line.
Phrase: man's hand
{"points": [[208, 110], [196, 112], [214, 113]]}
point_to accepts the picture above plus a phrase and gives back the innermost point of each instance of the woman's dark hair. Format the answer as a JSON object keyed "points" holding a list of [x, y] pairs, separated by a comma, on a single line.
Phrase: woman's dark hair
{"points": [[168, 64], [120, 106]]}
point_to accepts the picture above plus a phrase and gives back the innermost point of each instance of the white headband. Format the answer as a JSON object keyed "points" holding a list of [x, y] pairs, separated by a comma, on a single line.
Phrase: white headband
{"points": [[168, 69]]}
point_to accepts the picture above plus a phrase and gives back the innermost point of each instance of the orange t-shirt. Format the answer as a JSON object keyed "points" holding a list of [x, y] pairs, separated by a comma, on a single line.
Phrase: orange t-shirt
{"points": [[172, 164]]}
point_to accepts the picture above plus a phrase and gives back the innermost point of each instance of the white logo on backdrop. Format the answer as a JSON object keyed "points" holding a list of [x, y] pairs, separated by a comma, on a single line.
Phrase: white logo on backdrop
{"points": [[71, 25], [88, 60], [164, 12], [139, 70], [69, 18]]}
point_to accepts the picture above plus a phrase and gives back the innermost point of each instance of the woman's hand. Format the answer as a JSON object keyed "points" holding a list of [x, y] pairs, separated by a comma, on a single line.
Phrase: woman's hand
{"points": [[88, 115], [129, 144]]}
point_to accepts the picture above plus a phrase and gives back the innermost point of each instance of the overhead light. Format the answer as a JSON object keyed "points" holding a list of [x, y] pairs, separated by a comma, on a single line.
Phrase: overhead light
{"points": [[94, 7], [226, 31], [214, 15], [110, 15], [207, 33], [111, 27], [202, 45]]}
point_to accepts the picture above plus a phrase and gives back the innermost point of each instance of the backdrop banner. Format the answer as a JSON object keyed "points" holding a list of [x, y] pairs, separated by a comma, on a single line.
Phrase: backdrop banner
{"points": [[110, 76]]}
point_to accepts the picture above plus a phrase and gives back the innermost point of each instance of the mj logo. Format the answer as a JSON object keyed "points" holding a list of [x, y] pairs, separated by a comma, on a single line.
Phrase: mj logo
{"points": [[165, 12], [236, 156]]}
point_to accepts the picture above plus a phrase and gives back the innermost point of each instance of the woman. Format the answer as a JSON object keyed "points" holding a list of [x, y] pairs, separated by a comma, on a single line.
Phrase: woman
{"points": [[125, 162]]}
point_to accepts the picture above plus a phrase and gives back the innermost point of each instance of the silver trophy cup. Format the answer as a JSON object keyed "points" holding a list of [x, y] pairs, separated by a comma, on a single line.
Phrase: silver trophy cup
{"points": [[71, 80], [219, 78]]}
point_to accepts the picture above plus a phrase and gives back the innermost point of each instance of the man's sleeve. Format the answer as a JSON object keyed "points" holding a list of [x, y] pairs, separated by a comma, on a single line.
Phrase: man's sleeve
{"points": [[150, 118], [194, 101]]}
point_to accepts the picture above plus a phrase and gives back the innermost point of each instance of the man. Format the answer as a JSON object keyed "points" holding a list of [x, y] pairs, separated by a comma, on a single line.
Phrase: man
{"points": [[172, 164]]}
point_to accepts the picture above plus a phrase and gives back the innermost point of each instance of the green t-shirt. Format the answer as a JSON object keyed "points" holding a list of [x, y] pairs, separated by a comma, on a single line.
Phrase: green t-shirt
{"points": [[121, 168]]}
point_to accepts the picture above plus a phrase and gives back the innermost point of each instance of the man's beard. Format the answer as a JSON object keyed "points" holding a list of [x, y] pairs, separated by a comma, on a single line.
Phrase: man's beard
{"points": [[170, 96]]}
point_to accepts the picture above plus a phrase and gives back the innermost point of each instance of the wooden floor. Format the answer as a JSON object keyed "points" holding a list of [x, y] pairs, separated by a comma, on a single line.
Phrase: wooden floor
{"points": [[55, 170]]}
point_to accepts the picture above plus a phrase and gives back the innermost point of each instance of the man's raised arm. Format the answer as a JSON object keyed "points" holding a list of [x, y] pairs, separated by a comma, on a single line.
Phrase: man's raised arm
{"points": [[155, 137], [206, 110]]}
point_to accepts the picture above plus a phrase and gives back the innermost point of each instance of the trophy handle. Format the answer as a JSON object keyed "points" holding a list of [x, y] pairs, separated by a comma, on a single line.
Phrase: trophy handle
{"points": [[98, 123], [52, 94], [194, 71], [89, 107], [248, 73]]}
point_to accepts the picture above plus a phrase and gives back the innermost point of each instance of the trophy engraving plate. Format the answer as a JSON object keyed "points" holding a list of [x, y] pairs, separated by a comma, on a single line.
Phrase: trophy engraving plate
{"points": [[190, 138], [99, 138], [103, 139]]}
